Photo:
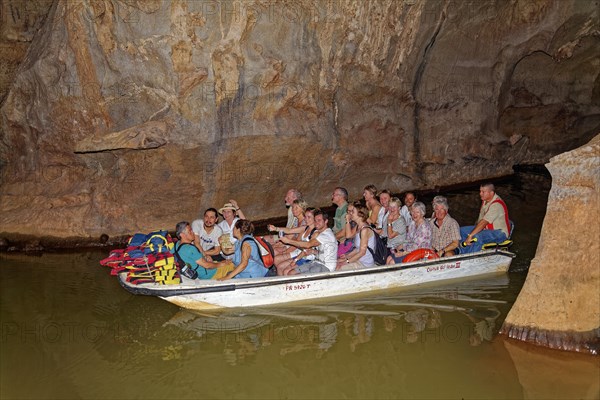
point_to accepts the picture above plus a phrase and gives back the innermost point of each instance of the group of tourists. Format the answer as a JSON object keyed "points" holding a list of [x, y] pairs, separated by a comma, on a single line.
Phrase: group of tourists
{"points": [[307, 244], [220, 250]]}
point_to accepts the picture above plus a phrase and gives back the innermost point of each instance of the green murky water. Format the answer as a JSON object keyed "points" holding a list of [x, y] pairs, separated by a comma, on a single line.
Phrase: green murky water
{"points": [[70, 331]]}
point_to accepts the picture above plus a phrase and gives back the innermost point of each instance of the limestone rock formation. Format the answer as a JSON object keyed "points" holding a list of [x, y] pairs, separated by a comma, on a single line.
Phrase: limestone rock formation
{"points": [[132, 115], [19, 21], [559, 305]]}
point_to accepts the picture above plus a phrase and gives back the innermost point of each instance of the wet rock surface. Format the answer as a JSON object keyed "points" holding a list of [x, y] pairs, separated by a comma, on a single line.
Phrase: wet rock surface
{"points": [[129, 116]]}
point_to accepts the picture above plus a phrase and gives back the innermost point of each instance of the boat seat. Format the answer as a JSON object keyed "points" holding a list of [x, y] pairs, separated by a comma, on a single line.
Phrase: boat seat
{"points": [[505, 244], [511, 229], [502, 245]]}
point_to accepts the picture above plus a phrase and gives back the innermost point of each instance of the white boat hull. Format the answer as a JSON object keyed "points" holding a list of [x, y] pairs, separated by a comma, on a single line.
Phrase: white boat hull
{"points": [[210, 295]]}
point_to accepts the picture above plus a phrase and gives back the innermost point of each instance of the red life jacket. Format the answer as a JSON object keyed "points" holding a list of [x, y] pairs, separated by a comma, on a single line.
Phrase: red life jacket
{"points": [[503, 204]]}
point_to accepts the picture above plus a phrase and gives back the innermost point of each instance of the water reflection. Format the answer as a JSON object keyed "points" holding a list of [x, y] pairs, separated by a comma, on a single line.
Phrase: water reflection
{"points": [[413, 317], [484, 325], [554, 374]]}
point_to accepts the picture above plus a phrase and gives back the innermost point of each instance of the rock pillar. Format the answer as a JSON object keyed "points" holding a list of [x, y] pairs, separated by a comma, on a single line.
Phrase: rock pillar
{"points": [[559, 305]]}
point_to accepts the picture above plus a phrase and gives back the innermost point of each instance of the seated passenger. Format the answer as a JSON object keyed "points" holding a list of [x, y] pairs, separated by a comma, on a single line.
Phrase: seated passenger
{"points": [[349, 231], [292, 222], [492, 224], [298, 209], [445, 230], [384, 199], [285, 259], [419, 234], [186, 251], [339, 197], [207, 235], [394, 226], [291, 196], [231, 213], [360, 257], [373, 205], [247, 261], [409, 200], [326, 248]]}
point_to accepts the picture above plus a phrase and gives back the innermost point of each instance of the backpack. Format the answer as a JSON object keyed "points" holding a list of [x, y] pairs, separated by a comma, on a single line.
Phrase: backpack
{"points": [[267, 254], [159, 242], [381, 252], [153, 242], [184, 268]]}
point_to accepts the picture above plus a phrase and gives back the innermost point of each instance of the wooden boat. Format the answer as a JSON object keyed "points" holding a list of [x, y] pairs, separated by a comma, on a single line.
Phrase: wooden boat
{"points": [[210, 295]]}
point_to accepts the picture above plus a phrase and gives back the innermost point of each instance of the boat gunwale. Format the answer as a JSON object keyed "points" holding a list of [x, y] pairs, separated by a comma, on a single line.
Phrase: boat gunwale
{"points": [[227, 286]]}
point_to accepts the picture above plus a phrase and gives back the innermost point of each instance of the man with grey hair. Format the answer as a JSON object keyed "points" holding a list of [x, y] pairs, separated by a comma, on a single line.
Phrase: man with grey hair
{"points": [[493, 225], [187, 253], [445, 231], [339, 197]]}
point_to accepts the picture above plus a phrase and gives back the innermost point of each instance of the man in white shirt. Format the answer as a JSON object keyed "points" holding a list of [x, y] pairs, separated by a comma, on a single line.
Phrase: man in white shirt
{"points": [[206, 234], [326, 247]]}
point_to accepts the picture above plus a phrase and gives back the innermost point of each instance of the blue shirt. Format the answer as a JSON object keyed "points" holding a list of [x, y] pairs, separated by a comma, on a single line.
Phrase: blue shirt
{"points": [[189, 254], [255, 267]]}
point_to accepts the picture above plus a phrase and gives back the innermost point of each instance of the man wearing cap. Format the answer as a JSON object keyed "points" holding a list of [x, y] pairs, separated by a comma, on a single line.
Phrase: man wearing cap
{"points": [[231, 213]]}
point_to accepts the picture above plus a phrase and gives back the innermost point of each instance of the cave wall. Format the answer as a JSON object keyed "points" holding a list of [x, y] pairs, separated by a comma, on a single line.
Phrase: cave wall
{"points": [[19, 21], [133, 115]]}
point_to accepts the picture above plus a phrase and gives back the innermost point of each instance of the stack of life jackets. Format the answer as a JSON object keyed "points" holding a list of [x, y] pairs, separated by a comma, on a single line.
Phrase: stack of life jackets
{"points": [[147, 258]]}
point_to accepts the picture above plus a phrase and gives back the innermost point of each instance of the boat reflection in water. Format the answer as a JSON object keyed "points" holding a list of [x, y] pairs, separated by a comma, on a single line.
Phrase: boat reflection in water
{"points": [[434, 342], [463, 312]]}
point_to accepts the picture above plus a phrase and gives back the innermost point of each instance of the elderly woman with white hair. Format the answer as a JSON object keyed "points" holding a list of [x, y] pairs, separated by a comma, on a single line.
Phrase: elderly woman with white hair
{"points": [[394, 225], [418, 236]]}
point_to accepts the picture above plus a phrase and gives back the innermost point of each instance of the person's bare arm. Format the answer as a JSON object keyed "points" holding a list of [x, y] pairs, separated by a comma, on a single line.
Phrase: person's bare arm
{"points": [[246, 251], [478, 228], [238, 209], [364, 242], [313, 242]]}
